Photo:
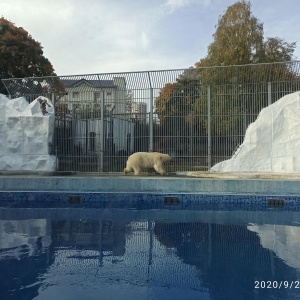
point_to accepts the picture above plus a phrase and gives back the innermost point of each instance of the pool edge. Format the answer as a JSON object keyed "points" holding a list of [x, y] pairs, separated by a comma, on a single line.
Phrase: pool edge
{"points": [[119, 184]]}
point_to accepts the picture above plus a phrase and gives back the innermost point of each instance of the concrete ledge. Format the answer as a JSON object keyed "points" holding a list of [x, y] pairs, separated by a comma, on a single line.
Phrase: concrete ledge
{"points": [[154, 184]]}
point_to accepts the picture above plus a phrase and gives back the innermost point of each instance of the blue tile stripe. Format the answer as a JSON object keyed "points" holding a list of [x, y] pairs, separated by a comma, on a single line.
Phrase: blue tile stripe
{"points": [[171, 201]]}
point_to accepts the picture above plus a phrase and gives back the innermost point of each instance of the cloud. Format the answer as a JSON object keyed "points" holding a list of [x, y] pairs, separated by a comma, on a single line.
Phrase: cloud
{"points": [[175, 4], [172, 5], [145, 40], [81, 36], [112, 36]]}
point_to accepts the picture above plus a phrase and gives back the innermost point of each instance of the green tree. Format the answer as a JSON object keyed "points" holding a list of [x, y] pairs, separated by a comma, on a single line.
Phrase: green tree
{"points": [[278, 50], [235, 70], [20, 55], [237, 92], [239, 40]]}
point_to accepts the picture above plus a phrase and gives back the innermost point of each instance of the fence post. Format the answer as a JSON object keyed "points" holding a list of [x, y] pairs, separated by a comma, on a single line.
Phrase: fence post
{"points": [[150, 116], [53, 149], [208, 128], [269, 93], [269, 103], [101, 135]]}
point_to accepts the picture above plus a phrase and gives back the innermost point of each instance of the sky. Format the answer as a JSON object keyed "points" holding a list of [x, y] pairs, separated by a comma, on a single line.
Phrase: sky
{"points": [[106, 36]]}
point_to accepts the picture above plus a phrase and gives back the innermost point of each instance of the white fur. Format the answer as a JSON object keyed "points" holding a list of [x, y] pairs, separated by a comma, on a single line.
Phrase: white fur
{"points": [[147, 161]]}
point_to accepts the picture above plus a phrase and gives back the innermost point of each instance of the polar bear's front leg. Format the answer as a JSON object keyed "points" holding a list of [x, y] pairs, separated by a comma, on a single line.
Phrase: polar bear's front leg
{"points": [[160, 169]]}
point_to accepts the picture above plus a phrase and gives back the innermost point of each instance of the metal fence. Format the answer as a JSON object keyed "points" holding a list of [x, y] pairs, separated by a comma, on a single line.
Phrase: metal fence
{"points": [[199, 115]]}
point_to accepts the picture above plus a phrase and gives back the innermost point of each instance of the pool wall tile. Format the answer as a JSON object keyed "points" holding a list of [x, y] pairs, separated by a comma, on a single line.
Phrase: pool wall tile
{"points": [[169, 201]]}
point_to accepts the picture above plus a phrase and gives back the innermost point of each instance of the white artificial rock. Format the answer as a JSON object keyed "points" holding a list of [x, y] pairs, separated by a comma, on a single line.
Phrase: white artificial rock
{"points": [[3, 101], [26, 135], [271, 143]]}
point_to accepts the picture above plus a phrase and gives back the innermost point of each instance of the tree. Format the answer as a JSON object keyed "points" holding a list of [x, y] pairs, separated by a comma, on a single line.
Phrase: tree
{"points": [[162, 102], [176, 109], [21, 56], [236, 73], [278, 50], [239, 40]]}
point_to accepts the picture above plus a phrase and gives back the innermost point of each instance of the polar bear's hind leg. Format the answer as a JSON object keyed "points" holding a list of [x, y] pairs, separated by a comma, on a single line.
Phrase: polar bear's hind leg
{"points": [[127, 170], [137, 170]]}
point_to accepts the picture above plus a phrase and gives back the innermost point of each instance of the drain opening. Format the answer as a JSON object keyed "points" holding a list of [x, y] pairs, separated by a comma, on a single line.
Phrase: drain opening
{"points": [[74, 199], [275, 202], [171, 200]]}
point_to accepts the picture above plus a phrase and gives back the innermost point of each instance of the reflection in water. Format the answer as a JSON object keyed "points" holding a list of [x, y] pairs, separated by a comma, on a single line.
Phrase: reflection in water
{"points": [[24, 254], [32, 234], [230, 257], [103, 258], [283, 240]]}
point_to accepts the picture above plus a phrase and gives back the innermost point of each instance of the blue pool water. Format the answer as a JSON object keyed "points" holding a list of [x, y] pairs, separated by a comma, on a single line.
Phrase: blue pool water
{"points": [[166, 248]]}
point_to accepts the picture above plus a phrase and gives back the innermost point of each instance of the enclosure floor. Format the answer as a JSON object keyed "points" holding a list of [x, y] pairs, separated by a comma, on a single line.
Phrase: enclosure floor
{"points": [[197, 174], [244, 175]]}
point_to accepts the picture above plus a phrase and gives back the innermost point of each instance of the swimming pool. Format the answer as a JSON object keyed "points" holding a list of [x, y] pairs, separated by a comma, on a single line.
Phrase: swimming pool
{"points": [[148, 246]]}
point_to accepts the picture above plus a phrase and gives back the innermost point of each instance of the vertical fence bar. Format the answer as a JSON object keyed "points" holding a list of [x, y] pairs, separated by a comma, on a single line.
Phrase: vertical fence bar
{"points": [[269, 93], [101, 135], [208, 128], [150, 116], [269, 103], [53, 142]]}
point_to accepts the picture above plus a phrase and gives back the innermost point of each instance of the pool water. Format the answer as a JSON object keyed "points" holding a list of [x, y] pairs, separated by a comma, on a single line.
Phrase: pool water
{"points": [[113, 253]]}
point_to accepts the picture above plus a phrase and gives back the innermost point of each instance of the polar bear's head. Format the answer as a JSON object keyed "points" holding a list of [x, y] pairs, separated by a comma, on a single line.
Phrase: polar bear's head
{"points": [[165, 157]]}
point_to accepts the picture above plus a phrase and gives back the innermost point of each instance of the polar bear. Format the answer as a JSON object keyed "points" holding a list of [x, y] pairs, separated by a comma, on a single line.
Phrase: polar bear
{"points": [[148, 161]]}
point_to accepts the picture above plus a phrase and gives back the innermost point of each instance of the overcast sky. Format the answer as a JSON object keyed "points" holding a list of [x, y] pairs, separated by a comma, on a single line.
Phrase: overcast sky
{"points": [[102, 36]]}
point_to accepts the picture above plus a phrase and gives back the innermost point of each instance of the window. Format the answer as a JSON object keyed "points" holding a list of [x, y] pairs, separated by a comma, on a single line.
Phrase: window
{"points": [[96, 97], [75, 95]]}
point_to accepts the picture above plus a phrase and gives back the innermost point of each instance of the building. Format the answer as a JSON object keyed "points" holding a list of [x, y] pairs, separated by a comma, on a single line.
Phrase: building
{"points": [[89, 133], [139, 111], [89, 93]]}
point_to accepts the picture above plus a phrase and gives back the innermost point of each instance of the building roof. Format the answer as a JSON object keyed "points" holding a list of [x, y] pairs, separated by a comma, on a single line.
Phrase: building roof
{"points": [[93, 83]]}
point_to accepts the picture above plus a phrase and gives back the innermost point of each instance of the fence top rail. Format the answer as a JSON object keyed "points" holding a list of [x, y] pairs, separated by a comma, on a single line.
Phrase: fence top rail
{"points": [[157, 79]]}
